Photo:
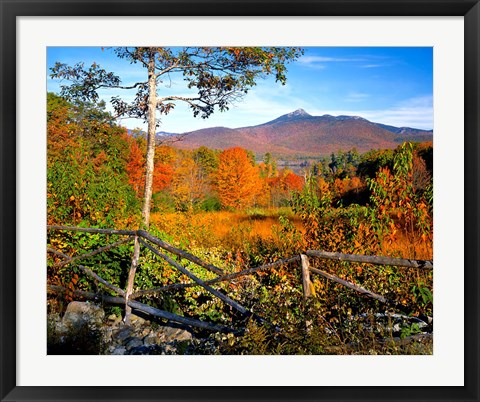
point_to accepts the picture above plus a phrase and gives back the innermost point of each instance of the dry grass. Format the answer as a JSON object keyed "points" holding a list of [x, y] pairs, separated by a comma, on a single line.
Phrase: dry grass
{"points": [[405, 247], [213, 229], [222, 228]]}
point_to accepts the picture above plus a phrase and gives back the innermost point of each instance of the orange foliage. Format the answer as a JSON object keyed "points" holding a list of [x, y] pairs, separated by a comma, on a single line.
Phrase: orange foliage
{"points": [[162, 173], [99, 160], [59, 132], [162, 176], [401, 205], [238, 180], [343, 186], [293, 181], [267, 170], [136, 167], [165, 154], [283, 184], [190, 183]]}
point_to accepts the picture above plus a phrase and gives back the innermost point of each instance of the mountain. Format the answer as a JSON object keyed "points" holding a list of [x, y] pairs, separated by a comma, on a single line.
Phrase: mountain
{"points": [[299, 133]]}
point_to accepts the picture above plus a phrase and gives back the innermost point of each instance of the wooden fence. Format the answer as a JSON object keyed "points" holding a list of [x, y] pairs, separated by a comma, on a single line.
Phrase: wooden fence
{"points": [[128, 297]]}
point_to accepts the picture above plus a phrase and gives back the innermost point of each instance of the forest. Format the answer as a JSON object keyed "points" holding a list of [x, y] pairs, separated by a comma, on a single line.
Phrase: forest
{"points": [[238, 210]]}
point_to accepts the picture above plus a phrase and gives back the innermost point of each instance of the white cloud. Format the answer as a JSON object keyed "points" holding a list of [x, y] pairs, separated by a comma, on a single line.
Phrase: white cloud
{"points": [[320, 62], [321, 59], [415, 113], [374, 65], [356, 96]]}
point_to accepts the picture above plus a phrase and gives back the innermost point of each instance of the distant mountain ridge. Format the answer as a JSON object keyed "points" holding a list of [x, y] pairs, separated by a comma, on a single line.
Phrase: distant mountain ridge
{"points": [[299, 133]]}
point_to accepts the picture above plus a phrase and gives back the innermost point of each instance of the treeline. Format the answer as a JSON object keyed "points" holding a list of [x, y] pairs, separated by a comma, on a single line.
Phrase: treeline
{"points": [[87, 158], [96, 172], [204, 179], [347, 173]]}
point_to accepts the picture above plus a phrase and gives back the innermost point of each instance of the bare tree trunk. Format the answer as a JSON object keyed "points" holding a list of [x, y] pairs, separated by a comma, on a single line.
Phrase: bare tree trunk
{"points": [[131, 280], [147, 198], [152, 109]]}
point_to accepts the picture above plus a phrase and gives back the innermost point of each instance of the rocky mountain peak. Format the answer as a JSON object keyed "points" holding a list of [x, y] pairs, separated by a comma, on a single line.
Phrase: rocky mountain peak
{"points": [[298, 113]]}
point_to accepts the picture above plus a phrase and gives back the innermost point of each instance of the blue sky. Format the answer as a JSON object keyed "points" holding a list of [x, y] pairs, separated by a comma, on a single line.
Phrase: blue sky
{"points": [[390, 85]]}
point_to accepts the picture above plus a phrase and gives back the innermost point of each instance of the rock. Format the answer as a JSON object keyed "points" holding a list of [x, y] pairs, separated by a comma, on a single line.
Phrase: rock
{"points": [[138, 321], [107, 335], [79, 314], [141, 350], [119, 350], [389, 323], [85, 329], [122, 334], [170, 349], [134, 343], [154, 339], [176, 334], [114, 319]]}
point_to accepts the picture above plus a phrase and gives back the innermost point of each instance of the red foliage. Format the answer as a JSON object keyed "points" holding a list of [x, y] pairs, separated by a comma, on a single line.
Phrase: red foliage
{"points": [[292, 181], [136, 167], [162, 176]]}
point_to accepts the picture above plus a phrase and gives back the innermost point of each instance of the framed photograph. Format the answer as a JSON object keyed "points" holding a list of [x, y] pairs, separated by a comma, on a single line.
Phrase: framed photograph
{"points": [[163, 230]]}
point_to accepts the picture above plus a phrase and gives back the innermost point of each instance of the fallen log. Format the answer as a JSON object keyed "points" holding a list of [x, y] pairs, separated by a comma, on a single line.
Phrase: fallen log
{"points": [[177, 318], [84, 295]]}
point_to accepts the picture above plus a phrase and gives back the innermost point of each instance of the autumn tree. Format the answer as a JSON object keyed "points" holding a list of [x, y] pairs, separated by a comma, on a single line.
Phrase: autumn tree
{"points": [[190, 183], [215, 76], [207, 159], [59, 127], [268, 167], [283, 185], [163, 167], [135, 165], [238, 181], [87, 177]]}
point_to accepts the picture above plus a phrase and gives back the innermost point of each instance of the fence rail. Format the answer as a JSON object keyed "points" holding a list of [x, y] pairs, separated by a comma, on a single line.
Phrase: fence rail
{"points": [[148, 241], [371, 259]]}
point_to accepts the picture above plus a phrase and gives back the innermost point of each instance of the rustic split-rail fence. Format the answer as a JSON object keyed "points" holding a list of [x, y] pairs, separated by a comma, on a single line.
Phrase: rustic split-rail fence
{"points": [[157, 246]]}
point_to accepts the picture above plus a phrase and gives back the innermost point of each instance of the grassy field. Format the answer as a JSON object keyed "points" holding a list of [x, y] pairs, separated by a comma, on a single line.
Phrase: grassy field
{"points": [[232, 228], [224, 228]]}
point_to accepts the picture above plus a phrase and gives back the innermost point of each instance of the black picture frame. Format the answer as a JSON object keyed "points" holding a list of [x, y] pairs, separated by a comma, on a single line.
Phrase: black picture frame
{"points": [[10, 9]]}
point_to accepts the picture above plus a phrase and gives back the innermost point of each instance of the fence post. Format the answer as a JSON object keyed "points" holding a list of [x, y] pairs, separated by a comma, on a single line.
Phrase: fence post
{"points": [[307, 284], [307, 287], [131, 279]]}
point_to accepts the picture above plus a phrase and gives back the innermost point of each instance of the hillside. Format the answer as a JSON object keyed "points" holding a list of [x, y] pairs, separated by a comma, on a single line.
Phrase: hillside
{"points": [[299, 133]]}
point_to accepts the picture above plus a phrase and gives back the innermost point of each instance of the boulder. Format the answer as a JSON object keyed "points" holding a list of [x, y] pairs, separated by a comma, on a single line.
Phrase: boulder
{"points": [[119, 350], [176, 334], [134, 343], [80, 314]]}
